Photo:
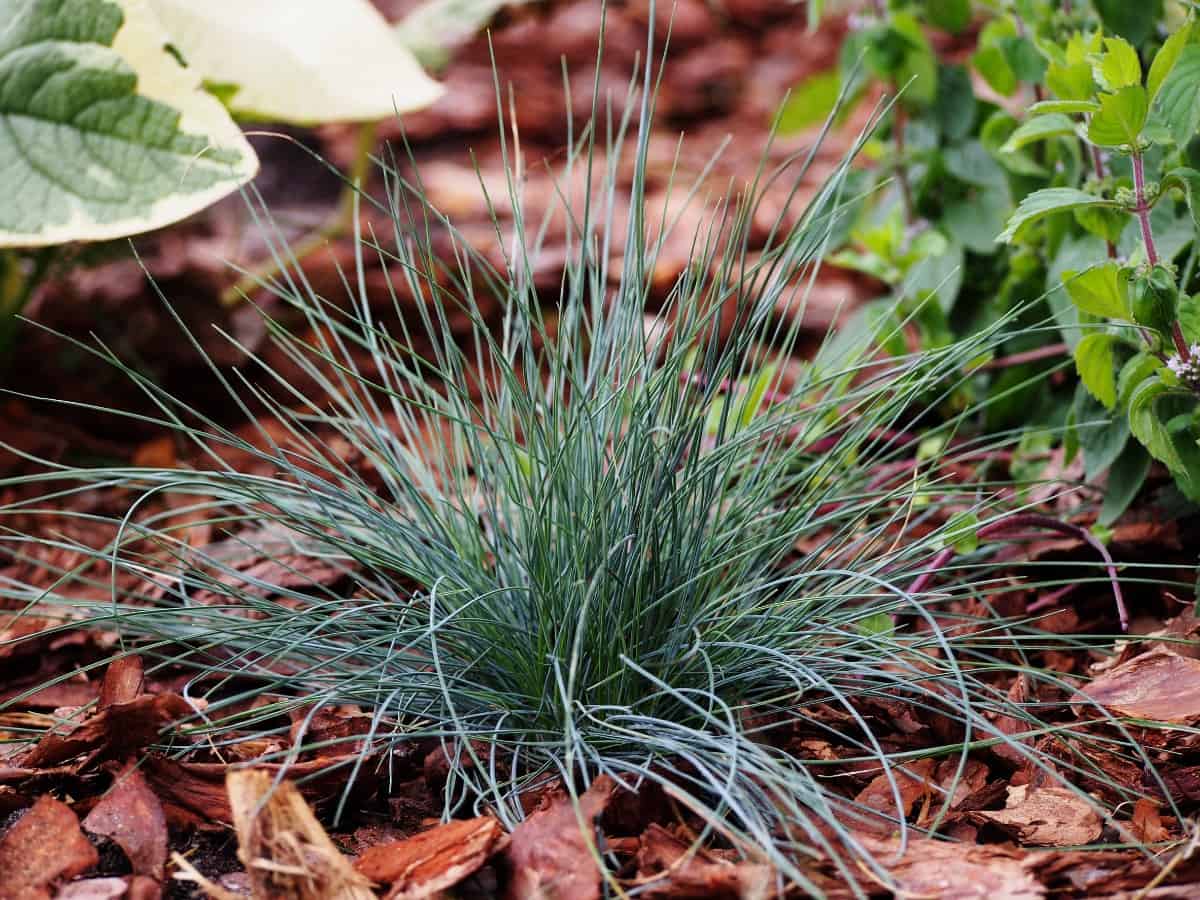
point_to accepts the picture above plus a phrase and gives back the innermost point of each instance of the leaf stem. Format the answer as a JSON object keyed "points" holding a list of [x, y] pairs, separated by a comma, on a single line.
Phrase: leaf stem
{"points": [[1142, 209], [1098, 169]]}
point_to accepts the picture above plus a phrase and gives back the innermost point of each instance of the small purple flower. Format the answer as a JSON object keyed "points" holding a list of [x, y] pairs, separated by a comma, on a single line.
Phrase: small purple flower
{"points": [[1187, 371]]}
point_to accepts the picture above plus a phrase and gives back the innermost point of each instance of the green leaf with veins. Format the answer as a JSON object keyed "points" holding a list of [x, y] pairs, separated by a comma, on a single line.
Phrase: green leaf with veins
{"points": [[1119, 65], [1095, 362], [102, 133], [1101, 290], [1165, 59], [1177, 101], [1039, 128], [1121, 117], [1046, 107], [1047, 201]]}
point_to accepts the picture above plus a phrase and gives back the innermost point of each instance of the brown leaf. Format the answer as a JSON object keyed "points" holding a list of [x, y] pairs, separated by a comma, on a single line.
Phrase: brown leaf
{"points": [[1158, 685], [550, 855], [1046, 817], [44, 846], [686, 872], [130, 814], [1146, 823], [284, 848], [911, 782], [430, 862]]}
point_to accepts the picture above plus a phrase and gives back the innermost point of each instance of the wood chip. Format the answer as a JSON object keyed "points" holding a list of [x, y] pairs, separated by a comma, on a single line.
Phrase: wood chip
{"points": [[550, 855], [43, 847], [131, 815], [1158, 685], [285, 850], [430, 862], [1046, 817]]}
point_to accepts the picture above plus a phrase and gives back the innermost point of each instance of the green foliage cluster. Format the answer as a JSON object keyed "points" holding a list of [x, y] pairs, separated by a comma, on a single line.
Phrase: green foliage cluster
{"points": [[1057, 170]]}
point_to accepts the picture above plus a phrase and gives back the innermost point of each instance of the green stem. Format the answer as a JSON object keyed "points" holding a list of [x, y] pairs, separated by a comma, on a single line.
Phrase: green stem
{"points": [[17, 290], [335, 227]]}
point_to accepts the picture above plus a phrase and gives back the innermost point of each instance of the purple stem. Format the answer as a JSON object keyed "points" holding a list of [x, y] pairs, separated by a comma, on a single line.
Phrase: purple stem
{"points": [[1143, 213], [1143, 209], [1032, 520]]}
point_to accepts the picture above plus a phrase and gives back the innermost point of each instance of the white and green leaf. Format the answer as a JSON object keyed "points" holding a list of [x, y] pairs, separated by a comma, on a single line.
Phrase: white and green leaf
{"points": [[301, 61], [102, 133]]}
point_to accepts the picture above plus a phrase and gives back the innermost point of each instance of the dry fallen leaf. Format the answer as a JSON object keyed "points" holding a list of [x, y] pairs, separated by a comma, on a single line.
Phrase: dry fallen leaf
{"points": [[550, 854], [1158, 685], [912, 782], [44, 846], [1046, 817], [130, 814], [284, 848], [428, 863]]}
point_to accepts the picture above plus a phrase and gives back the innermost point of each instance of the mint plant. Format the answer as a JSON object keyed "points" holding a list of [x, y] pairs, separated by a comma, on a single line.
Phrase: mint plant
{"points": [[1057, 173], [1137, 355]]}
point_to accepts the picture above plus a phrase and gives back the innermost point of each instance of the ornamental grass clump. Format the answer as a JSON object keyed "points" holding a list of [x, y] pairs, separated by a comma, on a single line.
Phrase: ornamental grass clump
{"points": [[578, 541]]}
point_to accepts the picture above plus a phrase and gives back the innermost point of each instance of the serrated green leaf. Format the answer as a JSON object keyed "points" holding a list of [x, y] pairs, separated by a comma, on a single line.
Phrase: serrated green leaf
{"points": [[1188, 314], [1071, 81], [993, 65], [1136, 370], [1096, 363], [1102, 435], [1151, 407], [1064, 106], [102, 133], [954, 105], [1133, 20], [1101, 290], [1120, 119], [1188, 181], [300, 61], [1042, 203], [1040, 128], [1177, 100], [810, 102], [949, 15], [962, 532], [1165, 59], [1125, 479], [1119, 65]]}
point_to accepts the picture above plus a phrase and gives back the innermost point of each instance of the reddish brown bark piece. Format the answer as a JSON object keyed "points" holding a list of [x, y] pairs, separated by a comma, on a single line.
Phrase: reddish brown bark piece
{"points": [[44, 846], [1158, 685], [550, 855], [131, 815], [1046, 817], [962, 872], [684, 873], [430, 862]]}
